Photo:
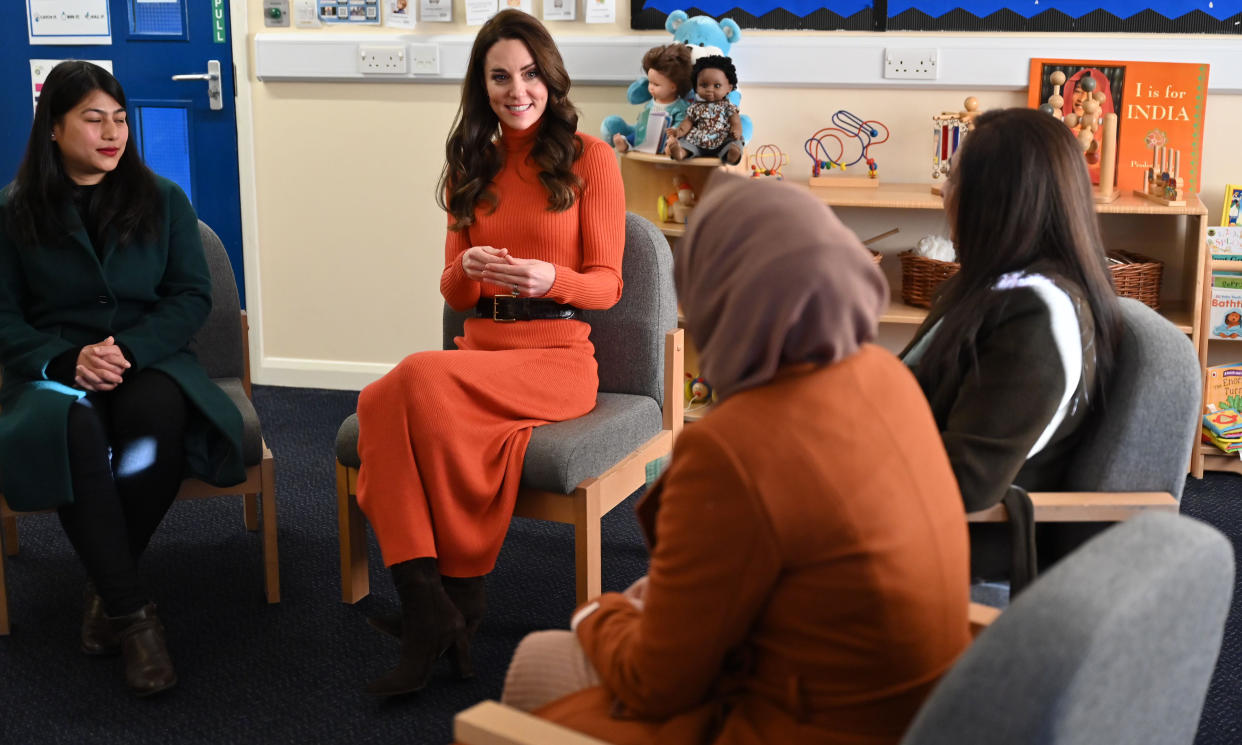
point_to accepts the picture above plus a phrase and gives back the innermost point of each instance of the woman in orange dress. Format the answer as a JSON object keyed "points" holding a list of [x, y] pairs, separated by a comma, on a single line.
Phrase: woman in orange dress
{"points": [[536, 214]]}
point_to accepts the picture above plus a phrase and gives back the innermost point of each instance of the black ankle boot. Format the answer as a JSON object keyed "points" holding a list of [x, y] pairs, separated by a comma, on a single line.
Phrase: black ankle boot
{"points": [[430, 624], [470, 596], [148, 668], [97, 637]]}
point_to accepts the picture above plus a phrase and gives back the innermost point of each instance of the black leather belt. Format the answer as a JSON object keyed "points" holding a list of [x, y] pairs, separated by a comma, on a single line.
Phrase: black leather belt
{"points": [[507, 308]]}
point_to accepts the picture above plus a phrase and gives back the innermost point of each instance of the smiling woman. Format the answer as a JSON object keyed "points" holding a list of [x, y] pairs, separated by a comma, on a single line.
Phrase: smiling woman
{"points": [[536, 214], [103, 409]]}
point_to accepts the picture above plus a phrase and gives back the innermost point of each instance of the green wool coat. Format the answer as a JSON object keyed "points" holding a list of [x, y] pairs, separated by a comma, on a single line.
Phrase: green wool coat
{"points": [[152, 296]]}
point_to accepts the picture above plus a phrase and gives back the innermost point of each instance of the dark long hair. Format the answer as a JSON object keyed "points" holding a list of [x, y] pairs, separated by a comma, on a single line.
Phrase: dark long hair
{"points": [[1020, 197], [126, 200], [472, 158]]}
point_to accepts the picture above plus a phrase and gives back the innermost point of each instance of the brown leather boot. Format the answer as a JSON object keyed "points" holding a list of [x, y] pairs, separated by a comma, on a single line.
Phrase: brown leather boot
{"points": [[430, 624], [97, 636], [467, 593], [148, 668]]}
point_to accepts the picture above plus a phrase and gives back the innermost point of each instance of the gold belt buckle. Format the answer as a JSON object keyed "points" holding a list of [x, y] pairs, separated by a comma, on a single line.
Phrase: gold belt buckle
{"points": [[496, 309]]}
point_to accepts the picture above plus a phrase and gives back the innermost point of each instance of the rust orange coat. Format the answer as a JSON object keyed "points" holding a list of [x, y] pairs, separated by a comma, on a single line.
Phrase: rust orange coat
{"points": [[809, 574]]}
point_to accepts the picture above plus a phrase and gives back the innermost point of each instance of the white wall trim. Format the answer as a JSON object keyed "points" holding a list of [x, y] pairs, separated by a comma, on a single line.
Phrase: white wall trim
{"points": [[307, 373], [967, 61], [247, 187]]}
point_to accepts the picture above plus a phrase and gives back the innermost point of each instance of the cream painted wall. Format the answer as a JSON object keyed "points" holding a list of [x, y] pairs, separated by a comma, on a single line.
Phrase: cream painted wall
{"points": [[350, 243]]}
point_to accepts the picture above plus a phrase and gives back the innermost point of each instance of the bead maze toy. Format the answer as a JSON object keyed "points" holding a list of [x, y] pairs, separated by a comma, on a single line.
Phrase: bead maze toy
{"points": [[1095, 129], [766, 162], [867, 132], [1162, 183], [949, 130]]}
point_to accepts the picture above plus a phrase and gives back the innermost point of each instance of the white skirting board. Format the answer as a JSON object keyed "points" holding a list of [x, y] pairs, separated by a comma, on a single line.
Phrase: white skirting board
{"points": [[306, 373], [966, 61]]}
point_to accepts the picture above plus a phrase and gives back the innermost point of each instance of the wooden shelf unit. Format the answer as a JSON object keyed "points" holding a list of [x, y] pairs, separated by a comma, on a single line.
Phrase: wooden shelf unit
{"points": [[1184, 300]]}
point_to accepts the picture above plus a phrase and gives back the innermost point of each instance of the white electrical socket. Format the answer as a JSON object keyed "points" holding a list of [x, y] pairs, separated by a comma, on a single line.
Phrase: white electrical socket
{"points": [[385, 59], [911, 64], [426, 58]]}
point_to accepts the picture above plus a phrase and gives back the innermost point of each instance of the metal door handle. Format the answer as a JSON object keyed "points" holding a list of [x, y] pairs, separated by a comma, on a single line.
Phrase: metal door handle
{"points": [[212, 76]]}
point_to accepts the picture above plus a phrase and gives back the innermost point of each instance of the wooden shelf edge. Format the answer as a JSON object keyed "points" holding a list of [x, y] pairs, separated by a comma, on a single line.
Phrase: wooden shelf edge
{"points": [[664, 160]]}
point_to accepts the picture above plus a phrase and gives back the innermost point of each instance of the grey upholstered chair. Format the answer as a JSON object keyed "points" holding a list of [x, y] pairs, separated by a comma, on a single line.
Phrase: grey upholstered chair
{"points": [[222, 347], [577, 470], [1135, 456], [1116, 644]]}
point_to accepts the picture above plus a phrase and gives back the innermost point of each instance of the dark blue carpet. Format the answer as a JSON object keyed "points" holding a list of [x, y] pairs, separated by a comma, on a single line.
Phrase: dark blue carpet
{"points": [[293, 672]]}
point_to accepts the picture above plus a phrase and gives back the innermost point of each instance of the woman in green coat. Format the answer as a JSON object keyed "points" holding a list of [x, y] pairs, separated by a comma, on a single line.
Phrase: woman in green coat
{"points": [[103, 408]]}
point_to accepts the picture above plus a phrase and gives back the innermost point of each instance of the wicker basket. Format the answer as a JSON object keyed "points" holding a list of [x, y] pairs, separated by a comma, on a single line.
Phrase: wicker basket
{"points": [[1139, 279], [920, 276]]}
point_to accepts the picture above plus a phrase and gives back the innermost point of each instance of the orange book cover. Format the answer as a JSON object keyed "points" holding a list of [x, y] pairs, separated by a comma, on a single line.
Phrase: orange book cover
{"points": [[1158, 104]]}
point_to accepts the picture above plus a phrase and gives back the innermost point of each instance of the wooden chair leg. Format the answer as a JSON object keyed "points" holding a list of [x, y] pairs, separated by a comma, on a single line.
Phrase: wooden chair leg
{"points": [[10, 536], [250, 511], [271, 556], [352, 537], [587, 543], [4, 600]]}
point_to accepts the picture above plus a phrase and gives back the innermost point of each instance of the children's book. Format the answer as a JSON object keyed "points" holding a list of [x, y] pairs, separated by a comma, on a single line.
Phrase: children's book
{"points": [[1224, 387], [1225, 314], [1229, 446], [1227, 279], [1158, 105], [657, 129], [1225, 243]]}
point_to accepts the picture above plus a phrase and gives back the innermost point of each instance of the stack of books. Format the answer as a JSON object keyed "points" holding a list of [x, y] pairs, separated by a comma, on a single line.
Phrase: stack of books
{"points": [[1223, 428]]}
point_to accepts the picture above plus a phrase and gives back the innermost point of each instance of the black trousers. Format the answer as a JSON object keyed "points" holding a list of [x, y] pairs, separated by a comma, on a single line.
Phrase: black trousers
{"points": [[127, 460]]}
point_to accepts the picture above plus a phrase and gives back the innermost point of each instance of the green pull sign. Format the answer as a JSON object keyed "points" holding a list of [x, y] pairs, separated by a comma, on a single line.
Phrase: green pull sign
{"points": [[218, 29]]}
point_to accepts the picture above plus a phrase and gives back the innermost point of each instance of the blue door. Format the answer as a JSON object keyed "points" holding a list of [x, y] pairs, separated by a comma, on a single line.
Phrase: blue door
{"points": [[185, 129]]}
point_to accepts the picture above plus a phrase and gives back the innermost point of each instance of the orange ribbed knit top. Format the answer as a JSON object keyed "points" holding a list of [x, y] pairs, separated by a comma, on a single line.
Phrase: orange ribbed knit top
{"points": [[584, 242]]}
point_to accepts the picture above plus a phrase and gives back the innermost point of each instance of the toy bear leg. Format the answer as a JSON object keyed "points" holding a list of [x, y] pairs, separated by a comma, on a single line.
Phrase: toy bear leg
{"points": [[615, 125]]}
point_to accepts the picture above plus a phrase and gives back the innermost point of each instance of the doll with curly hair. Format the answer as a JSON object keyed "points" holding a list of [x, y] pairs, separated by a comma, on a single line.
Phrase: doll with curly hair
{"points": [[668, 69], [713, 126]]}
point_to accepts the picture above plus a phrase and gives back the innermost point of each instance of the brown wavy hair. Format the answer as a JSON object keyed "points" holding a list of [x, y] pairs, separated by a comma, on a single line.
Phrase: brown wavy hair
{"points": [[1021, 196], [472, 157]]}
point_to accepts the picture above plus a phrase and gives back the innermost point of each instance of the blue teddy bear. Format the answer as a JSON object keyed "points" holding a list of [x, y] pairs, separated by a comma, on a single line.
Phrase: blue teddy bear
{"points": [[705, 36]]}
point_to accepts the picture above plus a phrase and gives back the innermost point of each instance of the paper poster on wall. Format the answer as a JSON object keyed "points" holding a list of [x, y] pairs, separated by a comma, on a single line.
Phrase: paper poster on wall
{"points": [[478, 11], [39, 68], [600, 11], [560, 10], [68, 22], [435, 11], [398, 14], [526, 6]]}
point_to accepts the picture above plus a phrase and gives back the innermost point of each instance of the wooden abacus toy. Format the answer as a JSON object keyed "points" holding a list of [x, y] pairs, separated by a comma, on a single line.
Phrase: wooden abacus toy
{"points": [[1086, 118], [1162, 183], [949, 130], [767, 162], [868, 132]]}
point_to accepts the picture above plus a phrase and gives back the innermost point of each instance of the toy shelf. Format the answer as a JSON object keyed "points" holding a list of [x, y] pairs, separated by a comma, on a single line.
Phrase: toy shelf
{"points": [[1175, 235]]}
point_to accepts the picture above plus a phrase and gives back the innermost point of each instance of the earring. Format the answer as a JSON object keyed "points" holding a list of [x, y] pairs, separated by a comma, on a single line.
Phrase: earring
{"points": [[53, 135]]}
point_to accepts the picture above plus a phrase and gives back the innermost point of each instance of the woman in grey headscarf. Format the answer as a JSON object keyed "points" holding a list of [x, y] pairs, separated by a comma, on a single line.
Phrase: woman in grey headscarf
{"points": [[808, 577]]}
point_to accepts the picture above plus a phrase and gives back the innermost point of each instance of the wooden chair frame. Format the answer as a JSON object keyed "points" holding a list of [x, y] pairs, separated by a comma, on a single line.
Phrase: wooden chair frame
{"points": [[1069, 507], [260, 484], [583, 508]]}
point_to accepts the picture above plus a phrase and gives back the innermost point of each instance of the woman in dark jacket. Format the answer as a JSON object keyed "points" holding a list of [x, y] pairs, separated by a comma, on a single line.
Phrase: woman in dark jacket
{"points": [[1022, 340], [103, 408]]}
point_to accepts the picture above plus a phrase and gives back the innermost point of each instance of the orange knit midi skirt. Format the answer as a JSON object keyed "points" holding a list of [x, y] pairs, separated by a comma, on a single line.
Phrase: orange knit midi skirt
{"points": [[442, 437]]}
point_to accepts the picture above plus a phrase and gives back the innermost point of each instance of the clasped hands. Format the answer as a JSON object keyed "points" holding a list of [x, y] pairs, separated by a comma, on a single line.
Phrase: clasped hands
{"points": [[100, 366], [526, 277]]}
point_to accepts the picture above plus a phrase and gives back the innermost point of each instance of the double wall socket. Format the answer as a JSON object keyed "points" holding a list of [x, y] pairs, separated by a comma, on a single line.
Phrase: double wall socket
{"points": [[911, 64], [383, 59]]}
